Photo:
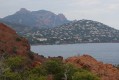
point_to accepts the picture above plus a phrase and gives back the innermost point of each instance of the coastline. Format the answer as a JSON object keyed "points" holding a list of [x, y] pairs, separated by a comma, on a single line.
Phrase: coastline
{"points": [[71, 43]]}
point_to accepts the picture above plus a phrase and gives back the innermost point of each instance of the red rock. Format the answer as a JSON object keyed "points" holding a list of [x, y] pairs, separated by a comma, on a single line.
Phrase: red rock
{"points": [[11, 43], [105, 71]]}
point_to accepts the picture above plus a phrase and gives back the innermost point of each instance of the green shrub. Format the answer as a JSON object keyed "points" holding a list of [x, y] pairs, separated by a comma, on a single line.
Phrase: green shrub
{"points": [[35, 77], [84, 75], [16, 68], [18, 39], [15, 62], [39, 70], [53, 66], [35, 73], [9, 75], [70, 69], [31, 55], [15, 49]]}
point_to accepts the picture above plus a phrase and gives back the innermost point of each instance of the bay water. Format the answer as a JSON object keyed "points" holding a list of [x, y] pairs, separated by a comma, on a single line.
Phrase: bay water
{"points": [[105, 52]]}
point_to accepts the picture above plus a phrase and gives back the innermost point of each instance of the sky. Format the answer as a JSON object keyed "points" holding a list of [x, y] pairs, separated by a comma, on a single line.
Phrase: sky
{"points": [[105, 11]]}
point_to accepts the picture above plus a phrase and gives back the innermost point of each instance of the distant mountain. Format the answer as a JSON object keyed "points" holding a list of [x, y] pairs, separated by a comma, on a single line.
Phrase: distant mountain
{"points": [[41, 18], [82, 31]]}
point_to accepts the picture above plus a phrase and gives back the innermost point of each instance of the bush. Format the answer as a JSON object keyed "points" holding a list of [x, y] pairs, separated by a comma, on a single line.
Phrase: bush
{"points": [[18, 39], [70, 69], [39, 70], [17, 68], [84, 75], [35, 77], [9, 75], [55, 67], [36, 73], [15, 63], [15, 49], [31, 55]]}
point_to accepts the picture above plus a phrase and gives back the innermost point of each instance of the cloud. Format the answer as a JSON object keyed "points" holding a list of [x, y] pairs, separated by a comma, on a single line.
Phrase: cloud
{"points": [[89, 2], [113, 7]]}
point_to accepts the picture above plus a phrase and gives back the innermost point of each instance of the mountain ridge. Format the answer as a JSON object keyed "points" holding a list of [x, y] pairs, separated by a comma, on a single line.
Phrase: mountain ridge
{"points": [[40, 18]]}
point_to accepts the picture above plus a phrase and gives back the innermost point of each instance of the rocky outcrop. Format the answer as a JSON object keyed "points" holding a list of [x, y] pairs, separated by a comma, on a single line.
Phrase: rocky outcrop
{"points": [[11, 43], [104, 71]]}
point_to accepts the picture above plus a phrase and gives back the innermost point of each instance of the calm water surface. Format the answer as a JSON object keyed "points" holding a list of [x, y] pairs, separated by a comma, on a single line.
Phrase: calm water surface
{"points": [[106, 52]]}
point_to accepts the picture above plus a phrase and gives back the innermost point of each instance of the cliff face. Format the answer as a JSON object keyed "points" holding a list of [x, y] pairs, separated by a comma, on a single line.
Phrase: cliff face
{"points": [[104, 71], [11, 43]]}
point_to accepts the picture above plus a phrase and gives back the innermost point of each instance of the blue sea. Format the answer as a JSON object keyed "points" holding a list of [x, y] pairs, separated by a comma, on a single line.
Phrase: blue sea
{"points": [[105, 52]]}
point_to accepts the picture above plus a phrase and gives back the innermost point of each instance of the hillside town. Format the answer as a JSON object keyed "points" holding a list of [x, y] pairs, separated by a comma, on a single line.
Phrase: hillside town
{"points": [[82, 31]]}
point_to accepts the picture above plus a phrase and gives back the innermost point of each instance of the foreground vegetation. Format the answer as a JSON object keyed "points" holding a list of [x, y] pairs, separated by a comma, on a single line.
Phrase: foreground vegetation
{"points": [[20, 68]]}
